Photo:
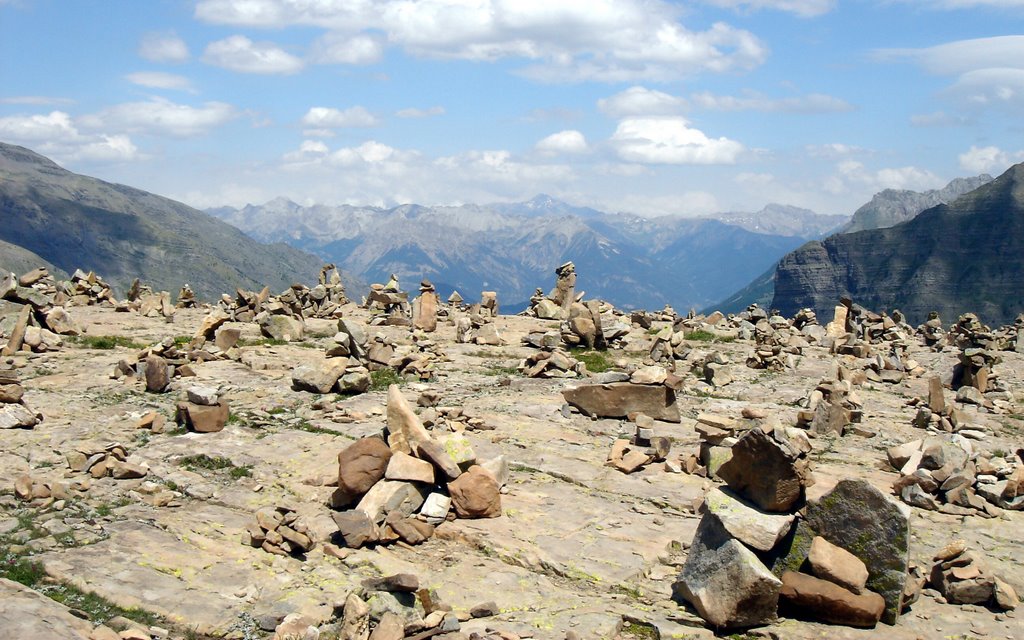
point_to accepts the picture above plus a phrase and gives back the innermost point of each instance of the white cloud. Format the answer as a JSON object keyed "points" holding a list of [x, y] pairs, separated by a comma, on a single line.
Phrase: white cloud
{"points": [[309, 150], [56, 135], [753, 101], [570, 41], [563, 142], [640, 101], [344, 48], [853, 176], [163, 47], [802, 8], [331, 118], [160, 80], [671, 140], [161, 117], [987, 160], [36, 100], [989, 71], [413, 112], [238, 53]]}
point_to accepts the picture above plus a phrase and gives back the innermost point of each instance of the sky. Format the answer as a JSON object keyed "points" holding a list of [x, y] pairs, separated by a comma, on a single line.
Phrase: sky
{"points": [[650, 107]]}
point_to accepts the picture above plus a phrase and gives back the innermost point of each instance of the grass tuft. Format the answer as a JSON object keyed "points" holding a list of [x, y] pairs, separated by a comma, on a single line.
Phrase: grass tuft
{"points": [[106, 342]]}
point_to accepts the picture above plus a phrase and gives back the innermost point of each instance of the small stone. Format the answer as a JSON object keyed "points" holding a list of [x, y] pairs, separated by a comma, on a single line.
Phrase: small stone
{"points": [[485, 610]]}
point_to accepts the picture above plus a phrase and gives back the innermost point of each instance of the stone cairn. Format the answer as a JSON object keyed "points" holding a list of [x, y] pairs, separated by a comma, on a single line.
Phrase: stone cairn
{"points": [[555, 306], [86, 289], [14, 412], [346, 366], [962, 578], [401, 486], [142, 299], [186, 298], [32, 315], [425, 307], [108, 460], [753, 554], [945, 474], [641, 449], [389, 305], [280, 531], [204, 410]]}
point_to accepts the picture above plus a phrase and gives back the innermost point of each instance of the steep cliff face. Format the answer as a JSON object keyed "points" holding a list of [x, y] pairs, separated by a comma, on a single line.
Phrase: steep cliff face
{"points": [[893, 206], [964, 256]]}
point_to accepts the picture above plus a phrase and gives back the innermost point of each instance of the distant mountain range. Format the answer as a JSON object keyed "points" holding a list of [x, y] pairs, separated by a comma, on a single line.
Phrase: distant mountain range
{"points": [[886, 208], [73, 222], [967, 255], [632, 261]]}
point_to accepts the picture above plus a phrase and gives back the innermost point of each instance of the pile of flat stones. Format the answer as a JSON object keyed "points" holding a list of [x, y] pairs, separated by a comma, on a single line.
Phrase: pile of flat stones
{"points": [[401, 486], [759, 550], [640, 449], [14, 412], [106, 460], [280, 531], [960, 577], [346, 366], [937, 414], [186, 298], [550, 363], [389, 305], [86, 289], [32, 313], [947, 475], [719, 433], [833, 406], [477, 328]]}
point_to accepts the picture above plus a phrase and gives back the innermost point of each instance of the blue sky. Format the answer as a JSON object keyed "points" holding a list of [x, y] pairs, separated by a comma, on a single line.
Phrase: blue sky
{"points": [[644, 106]]}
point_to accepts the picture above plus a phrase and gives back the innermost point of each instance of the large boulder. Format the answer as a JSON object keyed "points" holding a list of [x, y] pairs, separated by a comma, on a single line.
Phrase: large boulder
{"points": [[360, 466], [875, 528], [319, 377], [619, 399], [725, 581], [766, 472], [475, 494], [281, 327]]}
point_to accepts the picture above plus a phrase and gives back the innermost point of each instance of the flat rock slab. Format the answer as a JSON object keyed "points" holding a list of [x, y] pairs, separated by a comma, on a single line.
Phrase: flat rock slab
{"points": [[27, 614], [751, 526], [190, 569], [619, 399]]}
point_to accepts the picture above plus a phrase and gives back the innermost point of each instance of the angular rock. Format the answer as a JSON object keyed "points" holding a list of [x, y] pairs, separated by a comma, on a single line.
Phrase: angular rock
{"points": [[206, 396], [355, 621], [281, 327], [432, 451], [619, 399], [320, 377], [392, 496], [766, 472], [837, 565], [827, 601], [873, 527], [355, 528], [156, 374], [404, 426], [361, 465], [402, 466], [754, 528], [203, 419], [475, 494], [725, 581], [17, 416]]}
